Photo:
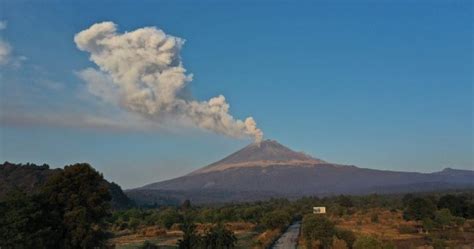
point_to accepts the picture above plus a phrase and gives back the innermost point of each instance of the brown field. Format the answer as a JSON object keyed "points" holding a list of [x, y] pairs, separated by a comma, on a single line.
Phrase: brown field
{"points": [[390, 226], [168, 238]]}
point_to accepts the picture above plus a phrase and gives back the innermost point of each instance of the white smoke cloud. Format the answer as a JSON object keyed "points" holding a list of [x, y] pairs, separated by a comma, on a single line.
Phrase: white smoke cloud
{"points": [[6, 56], [5, 48], [142, 72], [5, 51]]}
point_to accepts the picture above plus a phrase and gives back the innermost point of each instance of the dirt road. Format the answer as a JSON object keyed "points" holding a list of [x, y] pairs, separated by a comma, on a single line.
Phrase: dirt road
{"points": [[289, 239]]}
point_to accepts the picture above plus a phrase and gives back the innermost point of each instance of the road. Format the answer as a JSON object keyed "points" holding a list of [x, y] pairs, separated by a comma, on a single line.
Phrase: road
{"points": [[289, 239]]}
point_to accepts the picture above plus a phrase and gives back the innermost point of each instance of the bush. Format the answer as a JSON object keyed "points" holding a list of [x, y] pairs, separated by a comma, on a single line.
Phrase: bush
{"points": [[367, 242], [338, 243], [418, 209], [407, 229], [317, 227], [443, 218], [347, 235], [276, 220], [168, 217], [439, 244], [148, 245], [374, 218], [219, 237]]}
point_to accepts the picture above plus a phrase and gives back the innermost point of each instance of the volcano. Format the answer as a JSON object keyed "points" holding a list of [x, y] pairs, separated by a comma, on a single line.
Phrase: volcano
{"points": [[269, 169], [264, 154]]}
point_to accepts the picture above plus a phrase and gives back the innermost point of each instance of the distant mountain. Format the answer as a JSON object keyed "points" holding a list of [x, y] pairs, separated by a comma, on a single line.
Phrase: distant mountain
{"points": [[30, 177], [270, 169]]}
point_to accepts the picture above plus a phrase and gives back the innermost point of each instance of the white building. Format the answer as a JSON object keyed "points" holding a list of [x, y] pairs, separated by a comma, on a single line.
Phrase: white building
{"points": [[319, 210]]}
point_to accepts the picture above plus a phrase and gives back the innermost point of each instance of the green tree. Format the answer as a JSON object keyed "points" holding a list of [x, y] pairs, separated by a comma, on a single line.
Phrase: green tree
{"points": [[26, 223], [443, 218], [218, 237], [277, 219], [68, 212], [79, 195], [345, 201], [169, 216], [347, 235], [191, 240], [418, 209], [367, 242], [318, 227], [186, 205], [457, 205], [428, 224]]}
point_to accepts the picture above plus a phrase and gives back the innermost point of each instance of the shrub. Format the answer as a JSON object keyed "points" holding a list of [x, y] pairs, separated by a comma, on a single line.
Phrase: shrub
{"points": [[276, 220], [407, 229], [338, 243], [367, 242], [316, 227], [374, 218], [439, 244], [219, 237], [346, 235], [148, 245], [418, 209]]}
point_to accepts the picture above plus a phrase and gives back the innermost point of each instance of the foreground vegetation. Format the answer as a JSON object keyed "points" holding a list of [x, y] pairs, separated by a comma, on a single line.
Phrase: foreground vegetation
{"points": [[72, 209], [375, 221]]}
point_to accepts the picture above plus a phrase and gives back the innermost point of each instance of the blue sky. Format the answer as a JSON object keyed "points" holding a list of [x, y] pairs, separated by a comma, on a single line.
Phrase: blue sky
{"points": [[377, 84]]}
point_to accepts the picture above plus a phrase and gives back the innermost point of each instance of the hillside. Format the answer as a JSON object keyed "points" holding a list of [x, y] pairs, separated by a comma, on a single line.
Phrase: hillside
{"points": [[273, 170], [30, 177]]}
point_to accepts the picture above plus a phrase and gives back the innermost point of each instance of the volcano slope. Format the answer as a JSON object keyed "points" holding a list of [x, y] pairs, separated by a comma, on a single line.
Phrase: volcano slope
{"points": [[269, 169]]}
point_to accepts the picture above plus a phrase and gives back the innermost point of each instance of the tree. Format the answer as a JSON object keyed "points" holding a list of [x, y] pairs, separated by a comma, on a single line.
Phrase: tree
{"points": [[443, 218], [79, 195], [418, 209], [316, 227], [428, 224], [218, 237], [345, 201], [186, 205], [367, 242], [191, 239], [26, 223], [169, 216], [407, 198], [68, 212], [347, 235], [276, 220], [457, 205]]}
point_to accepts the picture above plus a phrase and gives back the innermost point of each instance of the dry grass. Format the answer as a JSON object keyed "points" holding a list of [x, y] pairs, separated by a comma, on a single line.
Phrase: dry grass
{"points": [[264, 239], [164, 237], [389, 226]]}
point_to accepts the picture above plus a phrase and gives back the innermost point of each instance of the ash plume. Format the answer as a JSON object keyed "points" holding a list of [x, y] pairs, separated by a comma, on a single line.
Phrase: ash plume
{"points": [[141, 71]]}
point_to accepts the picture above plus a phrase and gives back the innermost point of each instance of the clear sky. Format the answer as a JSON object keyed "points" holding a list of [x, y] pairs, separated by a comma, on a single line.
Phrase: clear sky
{"points": [[377, 84]]}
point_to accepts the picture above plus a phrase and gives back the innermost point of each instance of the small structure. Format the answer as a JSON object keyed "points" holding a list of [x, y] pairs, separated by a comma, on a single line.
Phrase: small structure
{"points": [[319, 210]]}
